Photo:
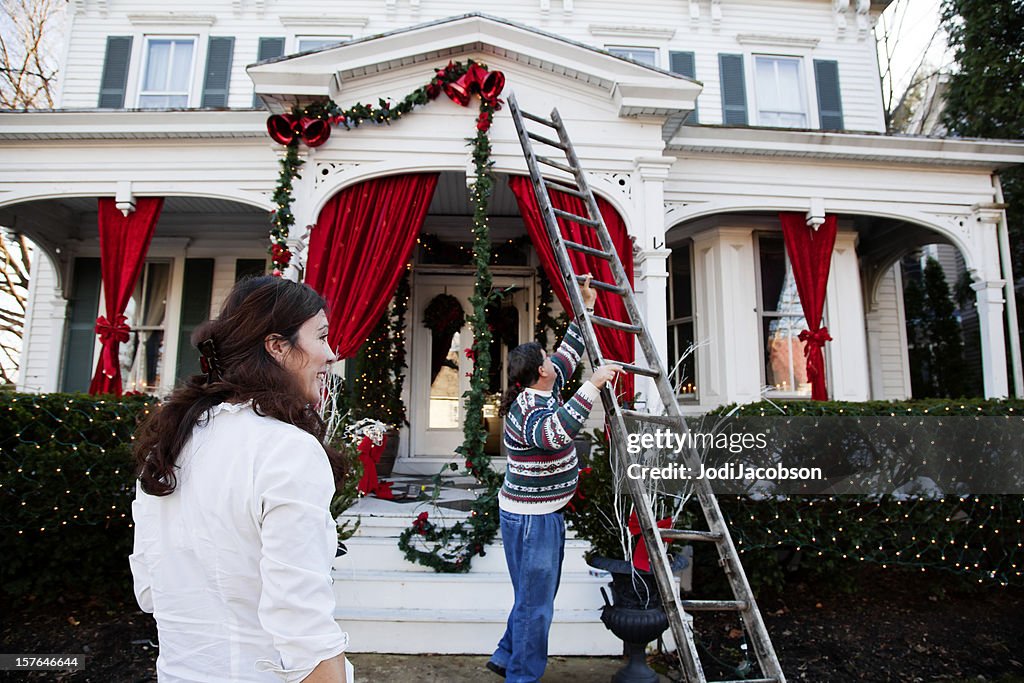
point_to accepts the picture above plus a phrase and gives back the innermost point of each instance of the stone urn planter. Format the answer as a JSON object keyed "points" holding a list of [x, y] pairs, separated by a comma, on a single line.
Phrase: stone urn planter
{"points": [[387, 458], [634, 614]]}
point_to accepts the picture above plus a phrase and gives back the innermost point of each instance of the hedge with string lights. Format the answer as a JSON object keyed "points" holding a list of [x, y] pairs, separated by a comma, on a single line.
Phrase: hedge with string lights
{"points": [[66, 487]]}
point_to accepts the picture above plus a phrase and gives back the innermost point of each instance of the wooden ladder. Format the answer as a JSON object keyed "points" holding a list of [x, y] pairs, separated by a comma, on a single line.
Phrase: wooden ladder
{"points": [[679, 620]]}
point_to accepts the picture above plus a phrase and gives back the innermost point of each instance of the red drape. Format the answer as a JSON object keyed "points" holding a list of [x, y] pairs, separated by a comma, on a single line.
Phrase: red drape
{"points": [[615, 344], [124, 242], [810, 254], [359, 247]]}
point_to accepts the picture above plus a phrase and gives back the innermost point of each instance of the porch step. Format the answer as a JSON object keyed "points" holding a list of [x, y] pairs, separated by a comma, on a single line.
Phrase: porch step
{"points": [[473, 631], [419, 590], [381, 553]]}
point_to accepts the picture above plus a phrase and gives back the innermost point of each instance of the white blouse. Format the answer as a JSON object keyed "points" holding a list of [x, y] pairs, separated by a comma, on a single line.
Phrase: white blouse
{"points": [[236, 563]]}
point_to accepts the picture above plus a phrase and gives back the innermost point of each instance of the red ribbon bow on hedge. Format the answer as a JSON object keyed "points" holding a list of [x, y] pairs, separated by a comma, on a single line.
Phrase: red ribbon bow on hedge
{"points": [[286, 128], [111, 335]]}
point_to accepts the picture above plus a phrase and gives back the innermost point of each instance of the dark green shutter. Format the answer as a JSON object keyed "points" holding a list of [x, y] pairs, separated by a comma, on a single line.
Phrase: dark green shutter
{"points": [[269, 49], [684, 64], [250, 267], [734, 90], [219, 52], [195, 310], [115, 72], [830, 103], [80, 338]]}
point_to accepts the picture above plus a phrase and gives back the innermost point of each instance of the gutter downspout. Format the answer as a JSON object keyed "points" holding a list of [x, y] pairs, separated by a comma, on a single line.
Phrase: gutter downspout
{"points": [[1009, 293]]}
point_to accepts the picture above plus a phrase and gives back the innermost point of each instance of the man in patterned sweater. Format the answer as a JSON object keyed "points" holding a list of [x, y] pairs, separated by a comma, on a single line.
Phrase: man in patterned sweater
{"points": [[540, 479]]}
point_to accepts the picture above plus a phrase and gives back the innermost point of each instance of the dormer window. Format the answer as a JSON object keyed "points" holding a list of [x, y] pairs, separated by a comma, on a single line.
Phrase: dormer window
{"points": [[167, 72]]}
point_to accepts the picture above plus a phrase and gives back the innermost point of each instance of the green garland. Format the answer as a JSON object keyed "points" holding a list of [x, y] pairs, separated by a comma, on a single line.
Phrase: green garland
{"points": [[452, 548]]}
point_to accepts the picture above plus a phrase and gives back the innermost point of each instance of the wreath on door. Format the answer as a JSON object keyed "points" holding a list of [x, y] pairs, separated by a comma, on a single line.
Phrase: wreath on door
{"points": [[444, 317]]}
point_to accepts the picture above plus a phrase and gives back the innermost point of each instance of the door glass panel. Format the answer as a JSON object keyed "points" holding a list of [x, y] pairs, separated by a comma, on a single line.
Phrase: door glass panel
{"points": [[445, 390]]}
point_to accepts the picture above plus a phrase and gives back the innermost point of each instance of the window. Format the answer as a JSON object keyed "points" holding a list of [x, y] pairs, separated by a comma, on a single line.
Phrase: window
{"points": [[780, 92], [142, 357], [167, 73], [306, 43], [782, 320], [644, 55], [682, 353]]}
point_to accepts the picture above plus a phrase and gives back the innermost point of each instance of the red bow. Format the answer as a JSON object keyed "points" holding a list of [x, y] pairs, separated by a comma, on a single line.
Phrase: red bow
{"points": [[815, 342], [111, 334], [641, 560], [816, 338]]}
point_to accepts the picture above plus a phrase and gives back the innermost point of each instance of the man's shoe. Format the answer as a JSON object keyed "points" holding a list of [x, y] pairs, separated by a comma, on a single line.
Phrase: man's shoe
{"points": [[500, 670]]}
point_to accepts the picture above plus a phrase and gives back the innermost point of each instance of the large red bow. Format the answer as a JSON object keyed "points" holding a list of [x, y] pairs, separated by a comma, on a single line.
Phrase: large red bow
{"points": [[814, 343], [286, 128], [641, 559], [112, 334]]}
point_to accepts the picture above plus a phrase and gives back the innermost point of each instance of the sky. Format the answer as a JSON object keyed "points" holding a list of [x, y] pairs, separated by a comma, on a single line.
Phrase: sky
{"points": [[915, 22]]}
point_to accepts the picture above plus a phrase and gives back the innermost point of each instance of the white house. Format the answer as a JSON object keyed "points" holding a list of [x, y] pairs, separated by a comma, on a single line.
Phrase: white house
{"points": [[698, 120]]}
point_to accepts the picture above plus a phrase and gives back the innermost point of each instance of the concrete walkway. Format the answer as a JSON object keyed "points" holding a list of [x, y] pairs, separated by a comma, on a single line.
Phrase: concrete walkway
{"points": [[470, 669]]}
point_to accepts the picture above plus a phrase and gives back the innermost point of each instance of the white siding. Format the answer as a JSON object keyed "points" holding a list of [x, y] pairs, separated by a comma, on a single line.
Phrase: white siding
{"points": [[42, 343], [777, 23], [223, 280], [887, 335]]}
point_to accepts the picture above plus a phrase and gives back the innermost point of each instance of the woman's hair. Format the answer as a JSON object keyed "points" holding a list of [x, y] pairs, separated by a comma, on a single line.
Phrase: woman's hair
{"points": [[240, 369], [524, 362]]}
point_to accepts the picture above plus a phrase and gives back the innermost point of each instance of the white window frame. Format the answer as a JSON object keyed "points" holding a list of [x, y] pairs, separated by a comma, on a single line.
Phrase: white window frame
{"points": [[810, 104], [332, 38], [762, 315], [636, 48], [143, 62]]}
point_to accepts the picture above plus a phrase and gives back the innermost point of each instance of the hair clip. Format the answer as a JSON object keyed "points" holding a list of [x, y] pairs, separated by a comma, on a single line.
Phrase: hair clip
{"points": [[208, 360]]}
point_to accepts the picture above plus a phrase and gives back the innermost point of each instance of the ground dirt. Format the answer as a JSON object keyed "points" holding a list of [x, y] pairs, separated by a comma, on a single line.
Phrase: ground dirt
{"points": [[896, 627]]}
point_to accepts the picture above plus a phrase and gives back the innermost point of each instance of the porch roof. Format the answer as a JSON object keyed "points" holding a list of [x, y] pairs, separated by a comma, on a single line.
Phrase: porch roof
{"points": [[122, 124], [857, 147], [637, 89]]}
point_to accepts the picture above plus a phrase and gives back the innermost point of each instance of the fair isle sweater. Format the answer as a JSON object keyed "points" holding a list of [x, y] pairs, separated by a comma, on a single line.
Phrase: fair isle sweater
{"points": [[542, 470]]}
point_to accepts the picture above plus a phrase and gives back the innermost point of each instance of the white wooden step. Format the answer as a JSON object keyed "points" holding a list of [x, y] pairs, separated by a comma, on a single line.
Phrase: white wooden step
{"points": [[474, 631], [419, 590]]}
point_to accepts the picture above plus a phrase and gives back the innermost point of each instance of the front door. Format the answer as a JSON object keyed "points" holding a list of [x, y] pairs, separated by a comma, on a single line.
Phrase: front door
{"points": [[439, 367]]}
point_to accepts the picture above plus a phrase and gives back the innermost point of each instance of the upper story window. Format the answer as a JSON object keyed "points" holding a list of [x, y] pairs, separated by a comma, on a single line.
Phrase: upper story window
{"points": [[781, 98], [682, 350], [782, 320], [644, 55], [306, 43], [168, 68]]}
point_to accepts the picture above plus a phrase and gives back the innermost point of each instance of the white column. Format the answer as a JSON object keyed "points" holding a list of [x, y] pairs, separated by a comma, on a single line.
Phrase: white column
{"points": [[729, 362], [993, 342], [844, 300], [651, 273], [652, 297]]}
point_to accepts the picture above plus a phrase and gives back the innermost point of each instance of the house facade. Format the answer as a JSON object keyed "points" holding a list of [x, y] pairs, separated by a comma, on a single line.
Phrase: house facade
{"points": [[698, 121]]}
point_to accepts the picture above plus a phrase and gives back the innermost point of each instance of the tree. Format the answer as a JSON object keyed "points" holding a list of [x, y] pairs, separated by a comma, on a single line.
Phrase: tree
{"points": [[985, 96], [15, 260], [29, 32], [934, 340]]}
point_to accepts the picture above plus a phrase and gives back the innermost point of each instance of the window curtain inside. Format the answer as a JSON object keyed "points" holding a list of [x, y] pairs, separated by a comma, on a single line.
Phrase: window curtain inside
{"points": [[810, 255], [615, 344], [124, 243], [361, 243]]}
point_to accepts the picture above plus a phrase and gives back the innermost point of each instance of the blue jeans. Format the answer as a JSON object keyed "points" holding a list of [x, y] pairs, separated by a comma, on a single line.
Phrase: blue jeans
{"points": [[534, 549]]}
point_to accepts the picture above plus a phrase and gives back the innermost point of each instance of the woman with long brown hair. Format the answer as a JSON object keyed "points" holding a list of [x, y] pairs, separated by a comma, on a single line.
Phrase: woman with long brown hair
{"points": [[234, 540]]}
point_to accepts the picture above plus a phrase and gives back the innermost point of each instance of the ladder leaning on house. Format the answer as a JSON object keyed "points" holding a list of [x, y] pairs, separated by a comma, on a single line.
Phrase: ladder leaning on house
{"points": [[676, 609]]}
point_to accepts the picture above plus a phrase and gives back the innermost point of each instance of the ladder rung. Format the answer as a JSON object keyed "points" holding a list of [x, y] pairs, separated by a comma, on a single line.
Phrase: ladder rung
{"points": [[667, 420], [557, 164], [538, 119], [629, 367], [713, 605], [689, 535], [602, 285], [625, 327], [546, 141], [576, 219], [576, 246], [748, 680], [566, 187]]}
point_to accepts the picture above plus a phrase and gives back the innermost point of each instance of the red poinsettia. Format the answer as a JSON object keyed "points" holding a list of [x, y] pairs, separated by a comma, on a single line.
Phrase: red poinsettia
{"points": [[420, 523], [433, 90], [483, 122], [280, 254]]}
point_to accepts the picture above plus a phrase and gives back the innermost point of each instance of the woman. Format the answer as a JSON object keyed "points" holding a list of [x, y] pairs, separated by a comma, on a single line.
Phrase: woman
{"points": [[234, 540]]}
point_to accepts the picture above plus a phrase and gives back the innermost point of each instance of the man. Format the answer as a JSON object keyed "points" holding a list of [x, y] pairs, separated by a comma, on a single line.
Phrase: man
{"points": [[540, 480]]}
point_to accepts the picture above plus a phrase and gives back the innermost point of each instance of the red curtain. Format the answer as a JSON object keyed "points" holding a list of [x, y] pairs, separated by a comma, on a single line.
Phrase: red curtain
{"points": [[615, 344], [810, 254], [359, 247], [124, 242]]}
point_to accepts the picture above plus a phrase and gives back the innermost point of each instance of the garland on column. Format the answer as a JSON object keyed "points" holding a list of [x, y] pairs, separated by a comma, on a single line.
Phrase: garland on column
{"points": [[448, 549]]}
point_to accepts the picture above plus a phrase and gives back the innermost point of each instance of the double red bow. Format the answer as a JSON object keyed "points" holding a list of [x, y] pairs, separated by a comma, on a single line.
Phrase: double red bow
{"points": [[111, 334], [286, 128]]}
